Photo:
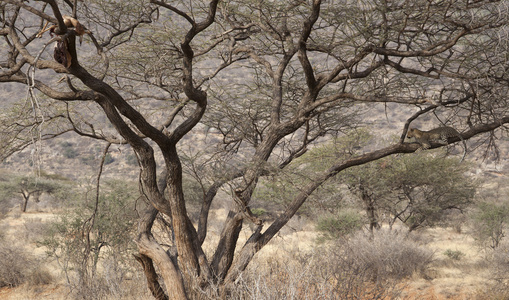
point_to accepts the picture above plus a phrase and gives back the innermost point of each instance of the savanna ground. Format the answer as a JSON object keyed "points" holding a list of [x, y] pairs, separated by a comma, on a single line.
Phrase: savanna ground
{"points": [[293, 266]]}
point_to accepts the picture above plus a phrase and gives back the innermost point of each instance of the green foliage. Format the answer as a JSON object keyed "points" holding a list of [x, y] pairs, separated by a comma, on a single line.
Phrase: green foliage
{"points": [[321, 158], [18, 184], [132, 160], [258, 212], [454, 254], [193, 191], [57, 177], [280, 187], [113, 221], [70, 153], [489, 222], [88, 160], [341, 224], [418, 189]]}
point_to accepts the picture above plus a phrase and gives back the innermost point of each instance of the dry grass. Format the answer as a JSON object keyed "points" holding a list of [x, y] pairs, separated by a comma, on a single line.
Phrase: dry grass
{"points": [[449, 278], [292, 266]]}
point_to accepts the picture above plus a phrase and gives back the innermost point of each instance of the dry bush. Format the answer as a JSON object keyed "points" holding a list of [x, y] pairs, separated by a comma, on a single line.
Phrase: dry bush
{"points": [[34, 229], [498, 262], [114, 278], [17, 267], [387, 254], [313, 276], [489, 223], [39, 276], [13, 264], [6, 205], [102, 287], [286, 278], [362, 267]]}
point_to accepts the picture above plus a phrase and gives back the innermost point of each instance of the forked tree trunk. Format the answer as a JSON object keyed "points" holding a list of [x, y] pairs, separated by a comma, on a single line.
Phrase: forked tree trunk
{"points": [[151, 252], [24, 204]]}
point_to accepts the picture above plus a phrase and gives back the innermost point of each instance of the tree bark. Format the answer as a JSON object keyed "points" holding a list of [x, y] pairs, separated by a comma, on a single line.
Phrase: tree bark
{"points": [[172, 278], [151, 275], [369, 204], [24, 204]]}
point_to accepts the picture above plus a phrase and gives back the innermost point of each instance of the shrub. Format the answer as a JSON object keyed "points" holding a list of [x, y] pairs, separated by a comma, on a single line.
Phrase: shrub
{"points": [[17, 267], [69, 153], [68, 150], [13, 264], [387, 254], [39, 276], [495, 291], [454, 254], [499, 263], [108, 159], [258, 212], [489, 223], [344, 223], [132, 160], [317, 275], [88, 160], [363, 267], [96, 262], [34, 229]]}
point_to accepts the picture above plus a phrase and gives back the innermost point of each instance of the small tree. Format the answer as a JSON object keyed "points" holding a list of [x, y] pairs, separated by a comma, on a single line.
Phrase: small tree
{"points": [[343, 223], [417, 190], [489, 223], [29, 188], [92, 232]]}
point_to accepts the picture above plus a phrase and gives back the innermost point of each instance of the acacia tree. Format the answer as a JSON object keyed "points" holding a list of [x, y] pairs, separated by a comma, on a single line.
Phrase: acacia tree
{"points": [[269, 77], [401, 189], [29, 187]]}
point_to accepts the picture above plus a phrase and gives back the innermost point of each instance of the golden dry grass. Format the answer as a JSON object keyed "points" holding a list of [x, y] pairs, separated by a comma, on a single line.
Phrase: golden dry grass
{"points": [[465, 278]]}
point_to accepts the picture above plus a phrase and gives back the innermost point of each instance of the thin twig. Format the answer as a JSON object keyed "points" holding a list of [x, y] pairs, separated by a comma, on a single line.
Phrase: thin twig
{"points": [[36, 108], [91, 220]]}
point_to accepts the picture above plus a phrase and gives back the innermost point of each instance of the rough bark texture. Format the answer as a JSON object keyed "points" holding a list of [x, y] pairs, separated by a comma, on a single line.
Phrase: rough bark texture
{"points": [[152, 282], [171, 275]]}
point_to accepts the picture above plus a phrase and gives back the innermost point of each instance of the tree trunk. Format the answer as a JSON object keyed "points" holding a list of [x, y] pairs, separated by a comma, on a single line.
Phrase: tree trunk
{"points": [[150, 273], [369, 204], [172, 277], [25, 202]]}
